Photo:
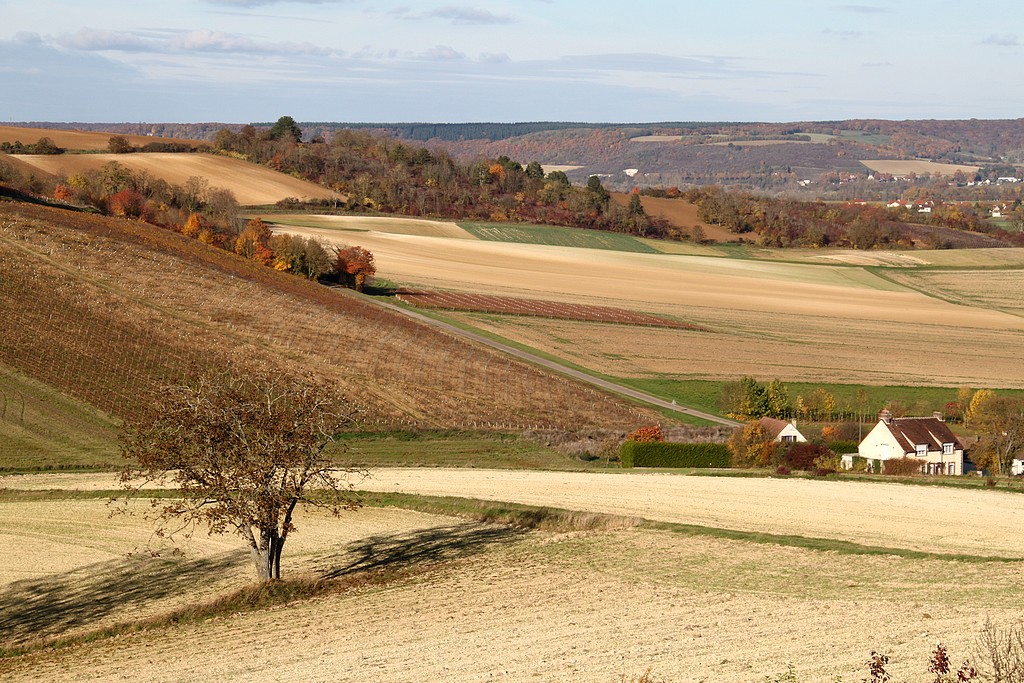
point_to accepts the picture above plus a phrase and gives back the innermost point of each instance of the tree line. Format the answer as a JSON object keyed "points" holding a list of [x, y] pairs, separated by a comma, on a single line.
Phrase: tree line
{"points": [[783, 222], [381, 174]]}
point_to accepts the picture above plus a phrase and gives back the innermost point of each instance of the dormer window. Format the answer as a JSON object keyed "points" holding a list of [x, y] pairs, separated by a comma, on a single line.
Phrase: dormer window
{"points": [[947, 449], [922, 450]]}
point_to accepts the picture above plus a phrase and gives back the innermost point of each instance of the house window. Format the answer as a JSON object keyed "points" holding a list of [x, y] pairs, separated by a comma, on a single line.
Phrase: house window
{"points": [[947, 449], [922, 450], [788, 438]]}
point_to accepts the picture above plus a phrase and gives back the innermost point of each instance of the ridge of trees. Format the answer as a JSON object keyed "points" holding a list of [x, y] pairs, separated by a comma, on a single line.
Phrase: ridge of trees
{"points": [[381, 174], [781, 222]]}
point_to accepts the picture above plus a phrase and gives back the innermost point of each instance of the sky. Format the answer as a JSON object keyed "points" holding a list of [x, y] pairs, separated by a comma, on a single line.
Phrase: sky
{"points": [[241, 61]]}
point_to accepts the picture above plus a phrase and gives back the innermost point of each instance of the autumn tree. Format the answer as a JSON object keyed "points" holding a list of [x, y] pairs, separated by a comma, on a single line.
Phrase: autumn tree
{"points": [[354, 265], [241, 451], [752, 446], [254, 242], [127, 203], [999, 421], [118, 144]]}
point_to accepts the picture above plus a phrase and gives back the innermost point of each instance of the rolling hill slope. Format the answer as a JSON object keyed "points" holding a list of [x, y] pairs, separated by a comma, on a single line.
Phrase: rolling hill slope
{"points": [[250, 183], [103, 309]]}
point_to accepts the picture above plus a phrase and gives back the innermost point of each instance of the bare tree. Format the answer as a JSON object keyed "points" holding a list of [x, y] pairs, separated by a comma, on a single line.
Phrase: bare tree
{"points": [[242, 451]]}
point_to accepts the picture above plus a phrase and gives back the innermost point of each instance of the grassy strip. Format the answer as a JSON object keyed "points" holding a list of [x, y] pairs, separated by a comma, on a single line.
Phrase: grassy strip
{"points": [[554, 235], [252, 598], [818, 544]]}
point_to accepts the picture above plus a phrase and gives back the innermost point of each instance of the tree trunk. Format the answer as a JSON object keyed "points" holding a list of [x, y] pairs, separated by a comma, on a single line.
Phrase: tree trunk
{"points": [[266, 555]]}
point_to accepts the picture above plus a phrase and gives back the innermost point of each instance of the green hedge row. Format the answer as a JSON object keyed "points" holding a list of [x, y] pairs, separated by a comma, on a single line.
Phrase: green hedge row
{"points": [[843, 447], [663, 454]]}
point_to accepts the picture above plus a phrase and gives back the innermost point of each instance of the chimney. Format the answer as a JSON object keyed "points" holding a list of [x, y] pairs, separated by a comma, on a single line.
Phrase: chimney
{"points": [[885, 415], [938, 416]]}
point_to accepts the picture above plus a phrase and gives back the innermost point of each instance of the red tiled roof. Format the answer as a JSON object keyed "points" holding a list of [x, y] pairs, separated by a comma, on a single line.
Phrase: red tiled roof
{"points": [[772, 426]]}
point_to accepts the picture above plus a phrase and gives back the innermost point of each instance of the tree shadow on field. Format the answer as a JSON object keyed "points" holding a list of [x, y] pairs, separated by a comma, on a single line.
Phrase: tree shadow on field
{"points": [[53, 605], [422, 547]]}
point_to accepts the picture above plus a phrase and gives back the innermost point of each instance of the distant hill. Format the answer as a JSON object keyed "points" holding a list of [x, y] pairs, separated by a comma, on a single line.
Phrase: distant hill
{"points": [[103, 309], [771, 157]]}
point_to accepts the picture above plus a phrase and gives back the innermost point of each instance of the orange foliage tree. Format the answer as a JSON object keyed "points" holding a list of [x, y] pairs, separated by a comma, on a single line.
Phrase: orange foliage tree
{"points": [[646, 434], [127, 203], [254, 242], [353, 266]]}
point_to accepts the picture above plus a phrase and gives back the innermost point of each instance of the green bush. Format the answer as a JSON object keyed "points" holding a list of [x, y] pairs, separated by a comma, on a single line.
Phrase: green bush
{"points": [[843, 447], [902, 466], [662, 454]]}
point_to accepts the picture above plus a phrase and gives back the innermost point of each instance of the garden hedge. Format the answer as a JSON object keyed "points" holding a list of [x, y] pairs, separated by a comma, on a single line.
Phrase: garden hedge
{"points": [[663, 454]]}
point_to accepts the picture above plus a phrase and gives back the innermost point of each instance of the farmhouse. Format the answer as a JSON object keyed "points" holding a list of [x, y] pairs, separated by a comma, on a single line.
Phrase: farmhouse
{"points": [[782, 431], [926, 438]]}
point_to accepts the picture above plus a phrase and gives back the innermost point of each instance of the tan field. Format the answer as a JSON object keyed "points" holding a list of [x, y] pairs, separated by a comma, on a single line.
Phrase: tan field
{"points": [[679, 213], [79, 139], [791, 320], [495, 603], [251, 184], [906, 167], [385, 224]]}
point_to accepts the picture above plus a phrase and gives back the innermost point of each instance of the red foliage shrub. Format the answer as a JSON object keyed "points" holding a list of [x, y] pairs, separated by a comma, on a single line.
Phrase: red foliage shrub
{"points": [[802, 456], [646, 434]]}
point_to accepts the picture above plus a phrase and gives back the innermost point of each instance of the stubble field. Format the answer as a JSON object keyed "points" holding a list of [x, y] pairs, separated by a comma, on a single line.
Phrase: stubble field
{"points": [[796, 321], [250, 183], [490, 602]]}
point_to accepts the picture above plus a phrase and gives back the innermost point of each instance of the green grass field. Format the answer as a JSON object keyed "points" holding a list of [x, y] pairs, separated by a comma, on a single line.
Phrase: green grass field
{"points": [[42, 428], [448, 449], [704, 394], [556, 236]]}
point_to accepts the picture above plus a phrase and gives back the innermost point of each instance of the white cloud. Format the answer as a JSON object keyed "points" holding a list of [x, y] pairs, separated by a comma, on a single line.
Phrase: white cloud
{"points": [[196, 41], [443, 53], [264, 3], [467, 15]]}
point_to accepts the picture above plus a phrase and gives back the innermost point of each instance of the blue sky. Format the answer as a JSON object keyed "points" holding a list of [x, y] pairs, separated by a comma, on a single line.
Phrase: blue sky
{"points": [[529, 60]]}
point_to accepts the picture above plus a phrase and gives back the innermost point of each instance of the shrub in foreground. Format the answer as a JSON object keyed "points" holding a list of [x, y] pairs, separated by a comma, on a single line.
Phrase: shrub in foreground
{"points": [[663, 454], [902, 466]]}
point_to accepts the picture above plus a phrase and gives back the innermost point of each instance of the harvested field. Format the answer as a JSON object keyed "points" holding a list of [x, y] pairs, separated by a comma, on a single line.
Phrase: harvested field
{"points": [[1001, 290], [810, 348], [250, 183], [504, 305], [79, 139], [387, 224], [903, 167], [491, 602], [791, 320], [679, 213], [859, 512]]}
